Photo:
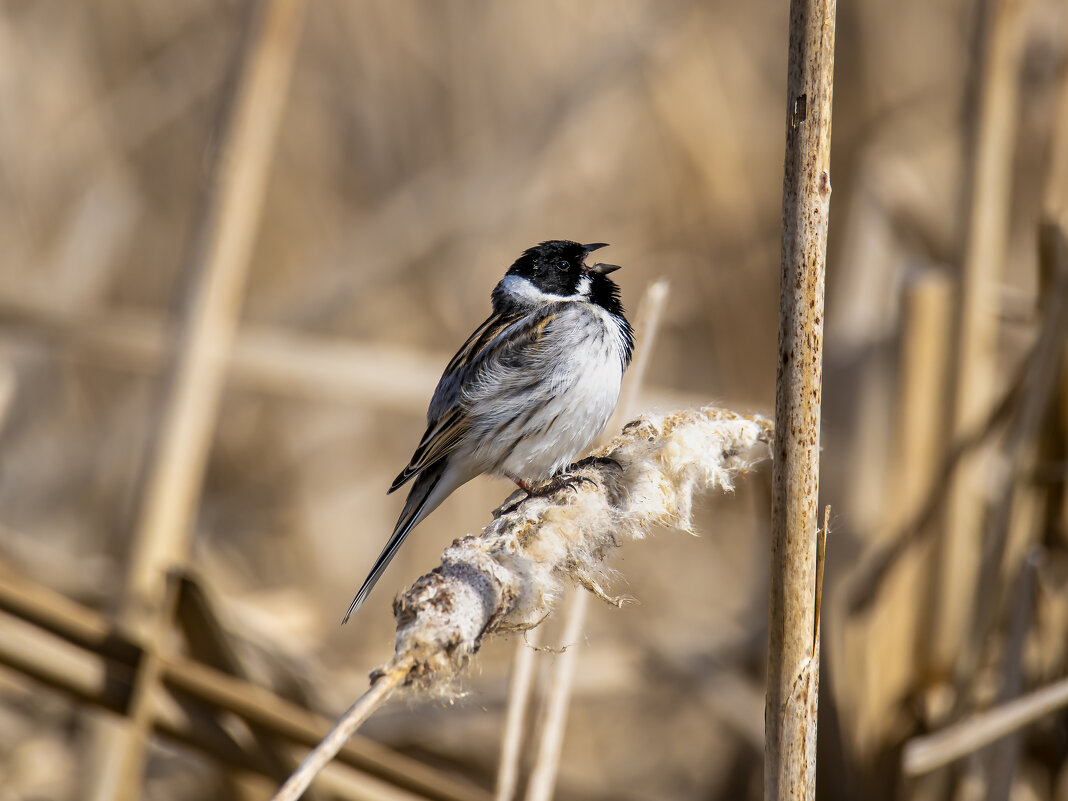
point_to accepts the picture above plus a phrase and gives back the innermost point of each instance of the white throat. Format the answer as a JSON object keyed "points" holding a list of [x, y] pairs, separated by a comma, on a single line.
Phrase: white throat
{"points": [[522, 290]]}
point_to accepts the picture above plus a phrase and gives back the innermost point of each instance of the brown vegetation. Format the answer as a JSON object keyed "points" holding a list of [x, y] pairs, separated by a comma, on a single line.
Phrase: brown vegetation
{"points": [[420, 146]]}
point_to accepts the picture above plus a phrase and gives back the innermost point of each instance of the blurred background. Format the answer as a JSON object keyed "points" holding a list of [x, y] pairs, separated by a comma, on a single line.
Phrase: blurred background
{"points": [[241, 240]]}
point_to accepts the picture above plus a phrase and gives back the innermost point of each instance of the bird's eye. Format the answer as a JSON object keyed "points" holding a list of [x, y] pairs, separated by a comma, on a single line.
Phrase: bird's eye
{"points": [[563, 266]]}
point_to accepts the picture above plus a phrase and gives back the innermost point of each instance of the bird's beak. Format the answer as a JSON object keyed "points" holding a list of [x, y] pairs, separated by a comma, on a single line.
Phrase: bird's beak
{"points": [[603, 269], [600, 269]]}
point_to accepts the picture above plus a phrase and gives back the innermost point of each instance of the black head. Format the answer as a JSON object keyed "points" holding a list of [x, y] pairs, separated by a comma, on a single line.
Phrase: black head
{"points": [[558, 267]]}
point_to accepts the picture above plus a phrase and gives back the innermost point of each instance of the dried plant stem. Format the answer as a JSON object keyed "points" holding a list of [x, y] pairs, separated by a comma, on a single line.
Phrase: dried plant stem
{"points": [[975, 327], [878, 644], [218, 268], [1055, 200], [515, 717], [924, 754], [1001, 760], [647, 326], [1015, 457], [543, 775], [346, 726], [793, 656], [80, 653], [509, 577], [217, 265], [274, 361], [924, 345], [7, 387]]}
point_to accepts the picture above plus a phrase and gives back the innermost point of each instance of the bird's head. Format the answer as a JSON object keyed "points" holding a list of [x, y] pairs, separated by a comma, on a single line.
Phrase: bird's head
{"points": [[558, 268]]}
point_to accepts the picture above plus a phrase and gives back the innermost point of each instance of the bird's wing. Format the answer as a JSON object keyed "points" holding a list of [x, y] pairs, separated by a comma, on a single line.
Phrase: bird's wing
{"points": [[477, 346], [507, 338]]}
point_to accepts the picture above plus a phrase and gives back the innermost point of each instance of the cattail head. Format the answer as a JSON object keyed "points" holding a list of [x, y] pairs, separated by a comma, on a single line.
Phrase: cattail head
{"points": [[507, 577]]}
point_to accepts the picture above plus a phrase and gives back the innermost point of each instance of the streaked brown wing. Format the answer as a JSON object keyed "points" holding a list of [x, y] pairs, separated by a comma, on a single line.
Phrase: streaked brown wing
{"points": [[472, 349], [439, 440], [448, 420]]}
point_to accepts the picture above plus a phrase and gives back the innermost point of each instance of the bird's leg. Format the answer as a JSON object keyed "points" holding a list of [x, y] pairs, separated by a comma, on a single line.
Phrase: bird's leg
{"points": [[509, 505], [526, 486]]}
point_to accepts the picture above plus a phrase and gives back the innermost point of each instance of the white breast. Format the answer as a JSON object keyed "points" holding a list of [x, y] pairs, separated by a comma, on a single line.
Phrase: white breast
{"points": [[557, 420]]}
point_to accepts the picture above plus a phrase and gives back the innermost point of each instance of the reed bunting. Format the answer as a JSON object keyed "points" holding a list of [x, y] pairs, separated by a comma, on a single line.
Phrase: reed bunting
{"points": [[529, 390]]}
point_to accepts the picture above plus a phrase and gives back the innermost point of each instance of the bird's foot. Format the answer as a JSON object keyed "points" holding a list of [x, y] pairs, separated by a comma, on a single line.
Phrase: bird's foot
{"points": [[554, 484], [557, 483], [603, 461]]}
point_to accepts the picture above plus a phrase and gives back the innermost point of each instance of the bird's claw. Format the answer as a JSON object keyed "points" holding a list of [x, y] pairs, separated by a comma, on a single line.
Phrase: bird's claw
{"points": [[550, 487], [574, 482], [603, 461], [558, 483]]}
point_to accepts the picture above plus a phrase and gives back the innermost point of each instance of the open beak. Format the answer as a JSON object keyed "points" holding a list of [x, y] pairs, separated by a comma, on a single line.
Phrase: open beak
{"points": [[603, 269], [600, 269]]}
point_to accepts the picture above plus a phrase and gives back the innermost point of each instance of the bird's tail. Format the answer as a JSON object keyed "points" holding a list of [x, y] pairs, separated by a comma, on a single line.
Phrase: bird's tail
{"points": [[427, 493]]}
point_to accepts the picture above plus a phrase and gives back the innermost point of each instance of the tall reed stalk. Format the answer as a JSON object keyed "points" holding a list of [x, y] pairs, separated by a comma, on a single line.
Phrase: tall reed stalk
{"points": [[793, 654]]}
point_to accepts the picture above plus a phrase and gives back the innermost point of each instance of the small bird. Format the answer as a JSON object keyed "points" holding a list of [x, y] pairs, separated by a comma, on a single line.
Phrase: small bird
{"points": [[531, 388]]}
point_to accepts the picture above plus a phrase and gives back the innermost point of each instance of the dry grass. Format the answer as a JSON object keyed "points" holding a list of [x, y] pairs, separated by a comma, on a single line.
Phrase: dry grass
{"points": [[421, 147]]}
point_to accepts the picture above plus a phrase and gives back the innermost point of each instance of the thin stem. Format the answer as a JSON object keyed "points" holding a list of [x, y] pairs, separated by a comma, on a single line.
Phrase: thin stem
{"points": [[217, 267], [924, 754], [975, 333], [518, 698], [543, 776], [346, 726]]}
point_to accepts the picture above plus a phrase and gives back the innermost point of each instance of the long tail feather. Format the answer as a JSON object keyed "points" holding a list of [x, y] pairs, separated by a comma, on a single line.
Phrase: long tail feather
{"points": [[422, 500]]}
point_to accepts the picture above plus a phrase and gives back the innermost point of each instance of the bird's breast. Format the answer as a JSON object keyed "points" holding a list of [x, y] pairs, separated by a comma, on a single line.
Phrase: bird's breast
{"points": [[549, 425]]}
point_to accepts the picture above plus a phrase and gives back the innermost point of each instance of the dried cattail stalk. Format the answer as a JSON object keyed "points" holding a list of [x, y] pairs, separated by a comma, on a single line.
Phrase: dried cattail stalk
{"points": [[507, 578]]}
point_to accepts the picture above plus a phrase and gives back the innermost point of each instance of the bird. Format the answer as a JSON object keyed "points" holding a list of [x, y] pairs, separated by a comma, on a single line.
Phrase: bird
{"points": [[528, 391]]}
